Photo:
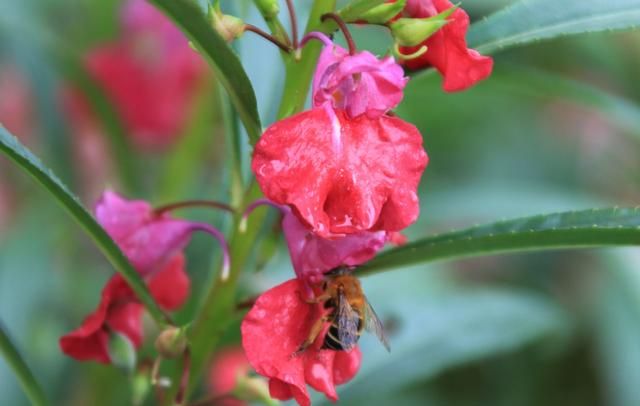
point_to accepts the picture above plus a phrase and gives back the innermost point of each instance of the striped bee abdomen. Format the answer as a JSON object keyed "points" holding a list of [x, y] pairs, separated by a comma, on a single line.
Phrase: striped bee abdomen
{"points": [[332, 338]]}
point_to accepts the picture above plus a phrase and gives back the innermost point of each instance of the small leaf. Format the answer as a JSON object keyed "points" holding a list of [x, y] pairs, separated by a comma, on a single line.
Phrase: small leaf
{"points": [[25, 377], [224, 61], [533, 20], [30, 164], [579, 229]]}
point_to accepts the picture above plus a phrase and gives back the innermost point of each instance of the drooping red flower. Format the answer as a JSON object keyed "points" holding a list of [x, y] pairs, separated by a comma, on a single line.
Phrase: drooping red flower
{"points": [[340, 175], [272, 332], [358, 84], [147, 239], [119, 311], [227, 368], [150, 74], [447, 49]]}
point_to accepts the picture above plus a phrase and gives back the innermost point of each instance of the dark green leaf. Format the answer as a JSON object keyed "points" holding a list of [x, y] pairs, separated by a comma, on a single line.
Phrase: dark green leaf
{"points": [[589, 228], [30, 164], [224, 61], [533, 20], [22, 372]]}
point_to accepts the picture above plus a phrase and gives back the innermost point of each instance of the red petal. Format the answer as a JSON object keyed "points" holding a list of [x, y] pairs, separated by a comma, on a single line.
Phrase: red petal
{"points": [[272, 332], [170, 287], [90, 341], [342, 176], [447, 51]]}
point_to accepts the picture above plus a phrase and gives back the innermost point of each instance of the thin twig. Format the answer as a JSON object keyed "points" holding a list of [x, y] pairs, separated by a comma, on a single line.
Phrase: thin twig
{"points": [[193, 203], [286, 48], [294, 23], [343, 27]]}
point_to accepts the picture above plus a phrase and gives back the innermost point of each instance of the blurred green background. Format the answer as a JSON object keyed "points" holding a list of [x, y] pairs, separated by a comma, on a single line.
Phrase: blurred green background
{"points": [[559, 329]]}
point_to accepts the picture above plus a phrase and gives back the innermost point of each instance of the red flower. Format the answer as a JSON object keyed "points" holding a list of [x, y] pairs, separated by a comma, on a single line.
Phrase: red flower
{"points": [[272, 332], [447, 49], [342, 176], [150, 74], [119, 311]]}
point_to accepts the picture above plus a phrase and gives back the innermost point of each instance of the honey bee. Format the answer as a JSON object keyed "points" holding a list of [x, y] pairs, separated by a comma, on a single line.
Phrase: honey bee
{"points": [[350, 313]]}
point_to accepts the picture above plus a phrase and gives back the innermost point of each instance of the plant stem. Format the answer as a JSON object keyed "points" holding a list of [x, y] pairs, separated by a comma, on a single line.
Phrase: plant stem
{"points": [[193, 203], [294, 23]]}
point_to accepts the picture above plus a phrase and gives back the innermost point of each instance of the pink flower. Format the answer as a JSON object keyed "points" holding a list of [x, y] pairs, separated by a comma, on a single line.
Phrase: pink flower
{"points": [[272, 332], [119, 311], [359, 84], [342, 176], [447, 49], [148, 239], [227, 368], [312, 256]]}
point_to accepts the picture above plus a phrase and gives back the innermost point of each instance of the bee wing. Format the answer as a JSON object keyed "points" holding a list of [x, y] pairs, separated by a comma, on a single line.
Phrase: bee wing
{"points": [[373, 324], [347, 320]]}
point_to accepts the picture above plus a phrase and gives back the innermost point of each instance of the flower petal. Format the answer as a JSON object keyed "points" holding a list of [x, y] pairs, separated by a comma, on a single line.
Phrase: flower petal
{"points": [[170, 287], [366, 183]]}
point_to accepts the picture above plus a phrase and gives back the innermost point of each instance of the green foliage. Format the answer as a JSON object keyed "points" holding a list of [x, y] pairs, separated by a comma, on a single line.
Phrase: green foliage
{"points": [[223, 60], [589, 228], [30, 164], [528, 21]]}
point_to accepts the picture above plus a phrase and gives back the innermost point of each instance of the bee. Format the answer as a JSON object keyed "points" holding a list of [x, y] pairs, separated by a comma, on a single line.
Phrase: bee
{"points": [[350, 313]]}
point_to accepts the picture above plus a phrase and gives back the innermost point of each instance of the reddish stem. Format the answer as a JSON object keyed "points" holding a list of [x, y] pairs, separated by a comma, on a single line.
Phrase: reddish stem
{"points": [[343, 27], [193, 203], [268, 37], [184, 380]]}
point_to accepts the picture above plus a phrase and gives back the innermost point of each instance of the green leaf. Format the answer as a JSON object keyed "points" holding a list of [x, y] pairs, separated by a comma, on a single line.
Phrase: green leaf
{"points": [[224, 61], [623, 113], [34, 167], [25, 377], [579, 229], [533, 20], [450, 330]]}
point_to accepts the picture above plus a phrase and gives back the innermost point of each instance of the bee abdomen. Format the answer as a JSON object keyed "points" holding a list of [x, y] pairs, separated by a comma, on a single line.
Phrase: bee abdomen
{"points": [[332, 340]]}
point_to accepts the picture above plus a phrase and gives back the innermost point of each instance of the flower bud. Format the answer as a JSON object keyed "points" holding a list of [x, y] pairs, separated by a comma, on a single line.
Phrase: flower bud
{"points": [[252, 389], [172, 342], [410, 32], [121, 351], [268, 8], [382, 13], [228, 26]]}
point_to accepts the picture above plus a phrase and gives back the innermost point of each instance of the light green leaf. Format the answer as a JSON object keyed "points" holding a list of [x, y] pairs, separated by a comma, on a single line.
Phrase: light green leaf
{"points": [[224, 61], [30, 164], [579, 229], [449, 330], [25, 377], [533, 20]]}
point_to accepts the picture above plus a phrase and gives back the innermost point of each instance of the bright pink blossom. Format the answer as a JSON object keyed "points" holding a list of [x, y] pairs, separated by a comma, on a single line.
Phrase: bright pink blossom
{"points": [[272, 332], [119, 311], [340, 175], [148, 239], [447, 49], [359, 84]]}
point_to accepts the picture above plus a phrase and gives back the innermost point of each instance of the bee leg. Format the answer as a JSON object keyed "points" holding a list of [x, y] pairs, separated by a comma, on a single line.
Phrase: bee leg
{"points": [[316, 328], [318, 299]]}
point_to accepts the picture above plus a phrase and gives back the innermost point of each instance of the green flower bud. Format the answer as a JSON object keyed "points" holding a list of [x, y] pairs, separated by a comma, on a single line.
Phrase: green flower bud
{"points": [[268, 8], [383, 13], [122, 351], [228, 26], [410, 32], [172, 342], [252, 389]]}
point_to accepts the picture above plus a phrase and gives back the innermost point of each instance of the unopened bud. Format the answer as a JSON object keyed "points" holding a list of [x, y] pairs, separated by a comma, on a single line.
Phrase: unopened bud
{"points": [[410, 32], [172, 342], [228, 26], [252, 389], [122, 352], [268, 8], [383, 13]]}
